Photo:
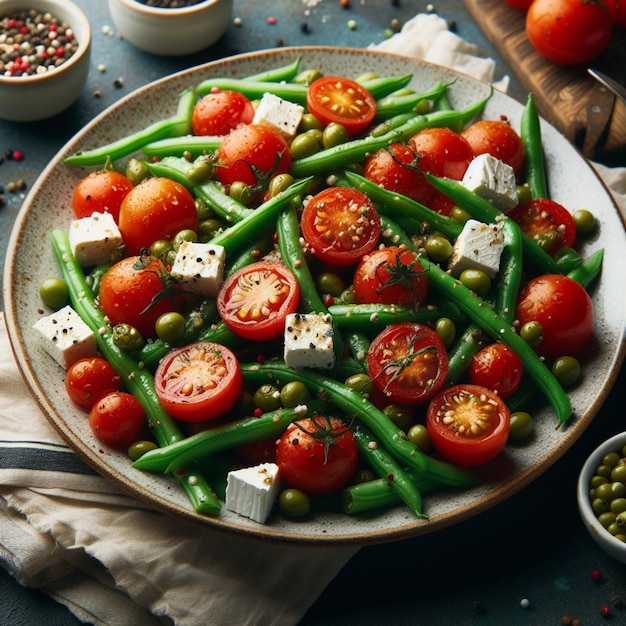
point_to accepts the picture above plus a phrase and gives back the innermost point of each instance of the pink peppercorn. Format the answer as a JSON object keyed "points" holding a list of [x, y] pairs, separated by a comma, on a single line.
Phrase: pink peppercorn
{"points": [[605, 610], [596, 575]]}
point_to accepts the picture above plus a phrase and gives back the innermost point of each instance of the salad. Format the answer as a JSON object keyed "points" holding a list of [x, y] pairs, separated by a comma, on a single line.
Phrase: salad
{"points": [[300, 273]]}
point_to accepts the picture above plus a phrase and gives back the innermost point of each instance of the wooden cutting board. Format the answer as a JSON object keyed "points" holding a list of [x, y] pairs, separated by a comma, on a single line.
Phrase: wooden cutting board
{"points": [[584, 111]]}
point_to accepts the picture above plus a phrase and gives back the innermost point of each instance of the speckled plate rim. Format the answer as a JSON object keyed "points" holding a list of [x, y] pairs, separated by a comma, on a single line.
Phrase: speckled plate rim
{"points": [[501, 479]]}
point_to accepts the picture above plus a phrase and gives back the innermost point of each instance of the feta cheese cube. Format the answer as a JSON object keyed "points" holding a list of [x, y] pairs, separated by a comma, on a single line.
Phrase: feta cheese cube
{"points": [[281, 115], [199, 267], [479, 246], [252, 491], [309, 341], [65, 337], [492, 179], [95, 240]]}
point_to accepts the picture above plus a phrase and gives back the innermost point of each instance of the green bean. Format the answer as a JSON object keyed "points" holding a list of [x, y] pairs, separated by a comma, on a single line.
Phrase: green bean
{"points": [[231, 435], [255, 89], [136, 379], [284, 73], [382, 86], [386, 466], [394, 104], [530, 133], [460, 356], [511, 271], [359, 345], [175, 126], [193, 145], [390, 123], [589, 270]]}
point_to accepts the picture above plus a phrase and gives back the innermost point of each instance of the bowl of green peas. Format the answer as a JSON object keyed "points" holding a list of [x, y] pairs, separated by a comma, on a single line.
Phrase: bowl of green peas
{"points": [[602, 496]]}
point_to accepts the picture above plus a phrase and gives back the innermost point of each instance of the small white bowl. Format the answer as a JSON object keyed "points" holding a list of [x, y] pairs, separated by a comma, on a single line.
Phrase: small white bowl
{"points": [[37, 97], [611, 545], [171, 32]]}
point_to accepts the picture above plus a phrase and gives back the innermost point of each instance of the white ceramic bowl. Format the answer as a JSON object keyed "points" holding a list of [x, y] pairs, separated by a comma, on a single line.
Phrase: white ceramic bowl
{"points": [[171, 32], [37, 97], [611, 545]]}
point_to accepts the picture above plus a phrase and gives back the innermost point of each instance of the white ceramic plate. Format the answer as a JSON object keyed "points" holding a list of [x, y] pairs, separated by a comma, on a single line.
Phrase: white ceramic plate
{"points": [[572, 182]]}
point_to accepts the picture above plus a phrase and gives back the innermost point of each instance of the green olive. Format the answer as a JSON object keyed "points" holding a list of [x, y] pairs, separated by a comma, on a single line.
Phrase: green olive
{"points": [[267, 398], [446, 329], [127, 337], [348, 296], [160, 248], [294, 503], [203, 210], [438, 248], [169, 257], [136, 171], [621, 519], [423, 107], [279, 183], [566, 370], [318, 133], [618, 473], [240, 192], [202, 169], [186, 234], [618, 505], [597, 480], [604, 492], [334, 135], [523, 193], [606, 519], [521, 426], [599, 506], [611, 459], [401, 416], [418, 434], [615, 528], [476, 280], [532, 333], [460, 215], [207, 229], [53, 292], [603, 470], [293, 394], [139, 448], [304, 145], [585, 222], [362, 383], [618, 490], [309, 122], [331, 283], [170, 327]]}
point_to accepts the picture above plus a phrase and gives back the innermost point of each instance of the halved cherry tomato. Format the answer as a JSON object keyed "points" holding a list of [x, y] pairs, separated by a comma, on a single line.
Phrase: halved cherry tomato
{"points": [[342, 101], [219, 112], [396, 168], [499, 139], [198, 382], [251, 154], [255, 301], [102, 191], [563, 309], [89, 379], [136, 291], [408, 362], [157, 208], [317, 455], [390, 275], [468, 424], [550, 224], [340, 225], [117, 419], [498, 368]]}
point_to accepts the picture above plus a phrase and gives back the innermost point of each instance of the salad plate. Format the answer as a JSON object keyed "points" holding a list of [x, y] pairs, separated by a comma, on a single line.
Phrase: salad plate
{"points": [[572, 181]]}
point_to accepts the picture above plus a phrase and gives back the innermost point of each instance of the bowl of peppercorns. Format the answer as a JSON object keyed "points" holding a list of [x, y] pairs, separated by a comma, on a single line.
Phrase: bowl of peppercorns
{"points": [[171, 27], [45, 48], [602, 496]]}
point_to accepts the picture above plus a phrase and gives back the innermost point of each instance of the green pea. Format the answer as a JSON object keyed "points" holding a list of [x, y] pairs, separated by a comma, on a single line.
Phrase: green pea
{"points": [[476, 280], [160, 248], [53, 292], [241, 192], [446, 329], [279, 183], [184, 235], [348, 296], [532, 333], [566, 370], [136, 171], [318, 133], [523, 193], [310, 122], [127, 337], [418, 434], [139, 448], [423, 107], [618, 473], [334, 135], [585, 222], [331, 283], [293, 394], [170, 327], [203, 210], [362, 383], [294, 503], [438, 248], [521, 426], [400, 415], [207, 229], [304, 145], [267, 398], [202, 169], [460, 215]]}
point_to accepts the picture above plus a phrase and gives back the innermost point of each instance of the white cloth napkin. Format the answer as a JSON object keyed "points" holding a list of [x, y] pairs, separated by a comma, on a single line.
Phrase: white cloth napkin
{"points": [[111, 560]]}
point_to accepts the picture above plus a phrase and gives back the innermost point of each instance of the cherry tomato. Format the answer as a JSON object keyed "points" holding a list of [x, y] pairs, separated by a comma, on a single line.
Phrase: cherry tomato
{"points": [[617, 9], [547, 222], [408, 362], [134, 291], [563, 309], [317, 455], [468, 424], [396, 168], [251, 154], [255, 301], [198, 382], [219, 112], [157, 208], [87, 380], [569, 32], [333, 99], [498, 368], [117, 419], [102, 192], [341, 225], [390, 275], [499, 139]]}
